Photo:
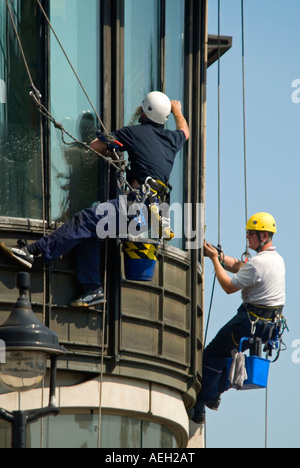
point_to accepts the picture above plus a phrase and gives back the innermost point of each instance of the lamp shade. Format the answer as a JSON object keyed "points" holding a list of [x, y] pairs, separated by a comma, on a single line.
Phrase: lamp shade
{"points": [[23, 331], [28, 343]]}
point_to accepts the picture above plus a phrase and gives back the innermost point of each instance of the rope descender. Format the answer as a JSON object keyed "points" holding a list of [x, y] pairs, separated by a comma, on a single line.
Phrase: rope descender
{"points": [[246, 256]]}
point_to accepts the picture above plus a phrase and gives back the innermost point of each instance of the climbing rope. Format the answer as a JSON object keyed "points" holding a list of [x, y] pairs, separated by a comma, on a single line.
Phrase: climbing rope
{"points": [[219, 166], [246, 255], [219, 122]]}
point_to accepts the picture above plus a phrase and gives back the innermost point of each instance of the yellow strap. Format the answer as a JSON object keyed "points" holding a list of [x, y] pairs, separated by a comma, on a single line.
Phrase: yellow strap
{"points": [[260, 318], [233, 339]]}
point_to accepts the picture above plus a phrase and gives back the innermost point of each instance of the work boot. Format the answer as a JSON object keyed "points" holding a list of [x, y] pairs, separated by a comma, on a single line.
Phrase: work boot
{"points": [[198, 414], [19, 253], [214, 404], [89, 299], [199, 418]]}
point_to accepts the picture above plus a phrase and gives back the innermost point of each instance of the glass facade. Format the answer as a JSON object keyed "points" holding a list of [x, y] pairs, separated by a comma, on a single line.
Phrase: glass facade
{"points": [[142, 53], [81, 431], [143, 68], [74, 170], [174, 81], [20, 142]]}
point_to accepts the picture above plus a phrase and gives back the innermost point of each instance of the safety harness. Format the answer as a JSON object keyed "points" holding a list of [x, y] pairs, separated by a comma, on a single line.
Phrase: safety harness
{"points": [[151, 193], [274, 321]]}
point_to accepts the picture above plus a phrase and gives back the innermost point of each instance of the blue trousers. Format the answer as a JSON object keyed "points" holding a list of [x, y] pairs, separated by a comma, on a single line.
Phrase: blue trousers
{"points": [[79, 232], [214, 377]]}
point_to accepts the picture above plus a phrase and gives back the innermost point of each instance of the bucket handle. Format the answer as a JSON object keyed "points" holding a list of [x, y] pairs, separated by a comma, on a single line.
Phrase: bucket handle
{"points": [[242, 341]]}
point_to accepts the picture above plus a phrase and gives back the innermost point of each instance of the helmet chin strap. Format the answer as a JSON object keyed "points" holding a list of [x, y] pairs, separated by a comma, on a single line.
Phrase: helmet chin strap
{"points": [[262, 243]]}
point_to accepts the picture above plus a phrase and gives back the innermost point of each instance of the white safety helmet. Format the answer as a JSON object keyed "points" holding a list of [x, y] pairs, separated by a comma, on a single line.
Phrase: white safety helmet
{"points": [[157, 107]]}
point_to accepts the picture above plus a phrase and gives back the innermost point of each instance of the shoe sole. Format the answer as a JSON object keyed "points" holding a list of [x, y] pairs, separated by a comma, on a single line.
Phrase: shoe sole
{"points": [[213, 407], [10, 254], [85, 305], [199, 421]]}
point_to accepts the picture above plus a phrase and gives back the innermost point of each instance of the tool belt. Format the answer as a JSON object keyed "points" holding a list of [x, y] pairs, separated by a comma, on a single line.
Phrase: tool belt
{"points": [[268, 314]]}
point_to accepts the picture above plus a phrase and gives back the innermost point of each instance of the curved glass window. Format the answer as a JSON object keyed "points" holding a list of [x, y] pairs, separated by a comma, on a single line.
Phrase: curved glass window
{"points": [[174, 81], [74, 170], [20, 142], [143, 73], [81, 431], [142, 53]]}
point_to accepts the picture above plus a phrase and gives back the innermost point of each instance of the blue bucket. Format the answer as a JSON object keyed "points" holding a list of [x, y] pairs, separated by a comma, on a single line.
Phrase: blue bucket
{"points": [[257, 370], [139, 260]]}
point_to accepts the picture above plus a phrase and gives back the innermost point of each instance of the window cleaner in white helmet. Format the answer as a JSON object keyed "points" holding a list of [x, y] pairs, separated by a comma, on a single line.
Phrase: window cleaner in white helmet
{"points": [[157, 108], [154, 161], [151, 149]]}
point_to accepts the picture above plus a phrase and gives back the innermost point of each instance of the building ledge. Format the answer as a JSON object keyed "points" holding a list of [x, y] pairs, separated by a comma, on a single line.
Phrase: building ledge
{"points": [[119, 396]]}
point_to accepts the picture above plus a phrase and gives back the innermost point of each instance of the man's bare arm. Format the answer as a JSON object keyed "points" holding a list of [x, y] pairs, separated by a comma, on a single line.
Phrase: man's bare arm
{"points": [[181, 123], [99, 146]]}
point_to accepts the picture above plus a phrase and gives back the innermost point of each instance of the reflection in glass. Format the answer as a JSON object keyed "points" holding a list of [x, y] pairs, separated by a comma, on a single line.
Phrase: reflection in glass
{"points": [[175, 89], [20, 142], [74, 169], [142, 52], [23, 370], [142, 68], [81, 431]]}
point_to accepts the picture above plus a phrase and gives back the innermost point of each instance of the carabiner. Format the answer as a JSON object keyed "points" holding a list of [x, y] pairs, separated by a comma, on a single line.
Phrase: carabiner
{"points": [[246, 256]]}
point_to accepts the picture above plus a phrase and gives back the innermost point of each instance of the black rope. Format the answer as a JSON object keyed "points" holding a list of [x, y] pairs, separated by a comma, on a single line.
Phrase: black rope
{"points": [[210, 309], [247, 254], [219, 162]]}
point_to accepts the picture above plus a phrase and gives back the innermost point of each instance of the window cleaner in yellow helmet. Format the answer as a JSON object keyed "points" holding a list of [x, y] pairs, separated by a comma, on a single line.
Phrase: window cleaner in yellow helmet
{"points": [[262, 283], [259, 224]]}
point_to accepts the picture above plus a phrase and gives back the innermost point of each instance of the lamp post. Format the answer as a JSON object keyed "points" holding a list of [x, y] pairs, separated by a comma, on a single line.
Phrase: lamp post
{"points": [[28, 344]]}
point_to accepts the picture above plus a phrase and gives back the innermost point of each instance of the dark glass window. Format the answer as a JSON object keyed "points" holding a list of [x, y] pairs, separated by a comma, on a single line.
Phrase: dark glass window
{"points": [[175, 89], [143, 73], [81, 431], [74, 170], [142, 52], [20, 142]]}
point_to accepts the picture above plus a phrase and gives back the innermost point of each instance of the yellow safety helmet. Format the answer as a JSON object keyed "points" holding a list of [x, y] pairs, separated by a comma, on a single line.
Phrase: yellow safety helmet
{"points": [[262, 222]]}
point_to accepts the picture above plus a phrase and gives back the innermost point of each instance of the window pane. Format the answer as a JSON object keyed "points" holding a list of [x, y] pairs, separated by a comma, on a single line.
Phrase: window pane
{"points": [[65, 431], [175, 90], [81, 431], [156, 436], [142, 52], [74, 170], [20, 146], [120, 432], [5, 435]]}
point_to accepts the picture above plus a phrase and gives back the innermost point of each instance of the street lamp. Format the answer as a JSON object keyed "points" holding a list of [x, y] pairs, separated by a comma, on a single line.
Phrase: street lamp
{"points": [[28, 345]]}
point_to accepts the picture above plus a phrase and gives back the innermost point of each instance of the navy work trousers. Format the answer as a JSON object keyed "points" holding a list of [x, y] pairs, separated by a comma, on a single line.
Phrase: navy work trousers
{"points": [[80, 232], [214, 378]]}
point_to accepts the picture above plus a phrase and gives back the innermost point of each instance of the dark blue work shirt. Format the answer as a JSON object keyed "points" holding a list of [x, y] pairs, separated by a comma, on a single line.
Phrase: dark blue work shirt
{"points": [[151, 150]]}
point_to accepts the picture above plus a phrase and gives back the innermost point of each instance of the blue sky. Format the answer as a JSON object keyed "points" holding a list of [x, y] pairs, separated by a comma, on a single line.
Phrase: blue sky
{"points": [[272, 52]]}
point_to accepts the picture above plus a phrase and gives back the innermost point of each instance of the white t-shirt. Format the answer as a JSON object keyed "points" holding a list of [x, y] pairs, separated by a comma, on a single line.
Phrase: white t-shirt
{"points": [[262, 279]]}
